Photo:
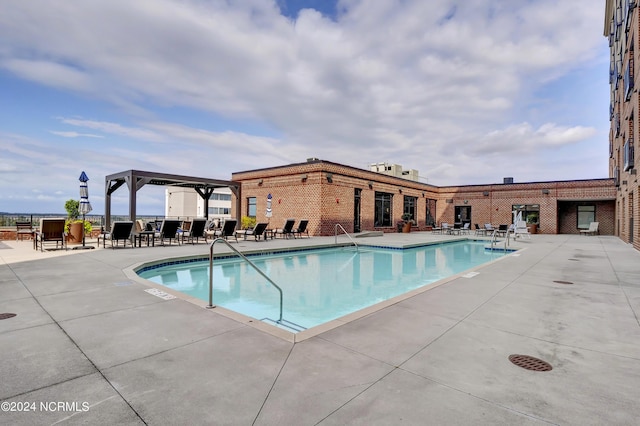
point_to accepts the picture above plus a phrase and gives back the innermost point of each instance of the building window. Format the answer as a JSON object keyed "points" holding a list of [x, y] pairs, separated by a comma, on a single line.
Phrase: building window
{"points": [[382, 213], [221, 197], [431, 212], [219, 211], [410, 208], [586, 215], [251, 206], [530, 212]]}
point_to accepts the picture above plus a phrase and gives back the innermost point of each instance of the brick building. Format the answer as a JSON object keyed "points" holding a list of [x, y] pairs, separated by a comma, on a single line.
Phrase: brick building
{"points": [[327, 193], [622, 27]]}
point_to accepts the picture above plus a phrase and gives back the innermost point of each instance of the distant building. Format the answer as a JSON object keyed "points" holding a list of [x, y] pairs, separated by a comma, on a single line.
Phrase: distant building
{"points": [[394, 170], [622, 27], [185, 202]]}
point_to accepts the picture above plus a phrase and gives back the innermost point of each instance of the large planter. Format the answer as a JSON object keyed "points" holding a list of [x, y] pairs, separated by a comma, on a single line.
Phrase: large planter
{"points": [[406, 228], [533, 228], [75, 233]]}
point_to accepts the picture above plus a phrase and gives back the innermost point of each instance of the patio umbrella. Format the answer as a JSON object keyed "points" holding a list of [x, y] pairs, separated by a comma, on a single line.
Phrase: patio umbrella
{"points": [[85, 205], [268, 213]]}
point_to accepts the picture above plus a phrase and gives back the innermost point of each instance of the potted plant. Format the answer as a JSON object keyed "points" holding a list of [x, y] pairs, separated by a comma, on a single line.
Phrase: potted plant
{"points": [[406, 227], [532, 222], [75, 227]]}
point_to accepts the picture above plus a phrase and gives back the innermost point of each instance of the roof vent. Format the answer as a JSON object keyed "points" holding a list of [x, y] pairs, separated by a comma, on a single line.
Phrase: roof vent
{"points": [[312, 159], [507, 180]]}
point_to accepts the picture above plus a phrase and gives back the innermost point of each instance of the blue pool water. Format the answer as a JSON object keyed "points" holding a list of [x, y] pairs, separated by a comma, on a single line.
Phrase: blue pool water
{"points": [[322, 284]]}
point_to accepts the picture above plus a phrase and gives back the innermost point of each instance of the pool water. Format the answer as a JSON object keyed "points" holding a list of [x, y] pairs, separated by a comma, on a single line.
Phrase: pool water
{"points": [[319, 285]]}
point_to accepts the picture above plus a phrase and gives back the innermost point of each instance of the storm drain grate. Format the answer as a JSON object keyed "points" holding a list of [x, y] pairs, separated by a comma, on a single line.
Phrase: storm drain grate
{"points": [[562, 282], [530, 363], [575, 260], [6, 316]]}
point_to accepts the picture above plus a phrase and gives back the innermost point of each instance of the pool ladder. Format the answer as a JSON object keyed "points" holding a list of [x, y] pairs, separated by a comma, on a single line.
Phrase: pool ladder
{"points": [[345, 233], [494, 239], [222, 240]]}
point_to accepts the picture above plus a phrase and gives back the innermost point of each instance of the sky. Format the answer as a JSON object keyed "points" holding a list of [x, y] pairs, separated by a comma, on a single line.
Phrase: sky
{"points": [[466, 92]]}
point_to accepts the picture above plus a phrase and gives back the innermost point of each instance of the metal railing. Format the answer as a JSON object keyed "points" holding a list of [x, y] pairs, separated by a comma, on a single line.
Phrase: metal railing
{"points": [[217, 240], [346, 233], [494, 239]]}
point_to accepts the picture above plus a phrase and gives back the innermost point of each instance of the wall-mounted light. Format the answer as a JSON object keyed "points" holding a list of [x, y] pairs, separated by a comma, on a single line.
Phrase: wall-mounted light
{"points": [[485, 193], [370, 184], [423, 195], [400, 190], [545, 191], [449, 201], [304, 177], [329, 177], [260, 182], [466, 201]]}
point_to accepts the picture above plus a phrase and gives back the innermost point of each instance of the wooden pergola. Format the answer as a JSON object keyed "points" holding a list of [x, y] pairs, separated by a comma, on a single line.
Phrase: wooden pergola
{"points": [[136, 179]]}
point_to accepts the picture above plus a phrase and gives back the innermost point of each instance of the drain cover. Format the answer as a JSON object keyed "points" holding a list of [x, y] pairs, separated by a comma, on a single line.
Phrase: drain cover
{"points": [[563, 282], [530, 363], [6, 316]]}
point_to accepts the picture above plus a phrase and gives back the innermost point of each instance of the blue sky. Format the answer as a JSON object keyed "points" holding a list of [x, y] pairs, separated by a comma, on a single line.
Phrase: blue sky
{"points": [[464, 92]]}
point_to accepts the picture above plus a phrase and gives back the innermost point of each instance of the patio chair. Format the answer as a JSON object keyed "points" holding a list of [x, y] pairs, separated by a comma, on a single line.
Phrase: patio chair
{"points": [[22, 229], [287, 229], [257, 231], [446, 229], [465, 228], [196, 230], [479, 231], [593, 229], [488, 229], [502, 230], [169, 231], [120, 231], [51, 231], [301, 229]]}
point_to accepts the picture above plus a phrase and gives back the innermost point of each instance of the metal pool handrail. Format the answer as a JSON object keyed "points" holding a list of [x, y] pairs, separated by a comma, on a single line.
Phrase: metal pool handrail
{"points": [[211, 305], [345, 232]]}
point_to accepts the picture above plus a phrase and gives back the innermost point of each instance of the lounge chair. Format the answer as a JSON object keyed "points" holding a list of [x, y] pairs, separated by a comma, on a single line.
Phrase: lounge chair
{"points": [[22, 229], [51, 230], [301, 229], [257, 231], [120, 231], [169, 231], [593, 229], [196, 230], [228, 230], [287, 229], [480, 231]]}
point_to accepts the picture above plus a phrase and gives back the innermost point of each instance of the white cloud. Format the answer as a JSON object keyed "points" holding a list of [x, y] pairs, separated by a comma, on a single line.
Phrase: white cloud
{"points": [[428, 84], [75, 134]]}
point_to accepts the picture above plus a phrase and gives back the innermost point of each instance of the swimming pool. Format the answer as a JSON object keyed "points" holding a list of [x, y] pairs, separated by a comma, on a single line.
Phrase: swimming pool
{"points": [[318, 285]]}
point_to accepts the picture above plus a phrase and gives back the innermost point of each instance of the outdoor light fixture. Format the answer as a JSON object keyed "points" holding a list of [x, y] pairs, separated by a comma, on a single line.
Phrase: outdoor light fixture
{"points": [[545, 191], [260, 182], [329, 177], [485, 193], [423, 195], [304, 177], [370, 184], [400, 190]]}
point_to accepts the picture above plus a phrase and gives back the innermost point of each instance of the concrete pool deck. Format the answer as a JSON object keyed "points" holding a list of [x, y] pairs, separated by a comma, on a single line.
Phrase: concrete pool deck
{"points": [[88, 345]]}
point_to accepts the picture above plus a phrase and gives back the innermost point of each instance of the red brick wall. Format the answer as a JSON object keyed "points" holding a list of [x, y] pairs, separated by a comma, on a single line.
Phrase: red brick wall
{"points": [[326, 203]]}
